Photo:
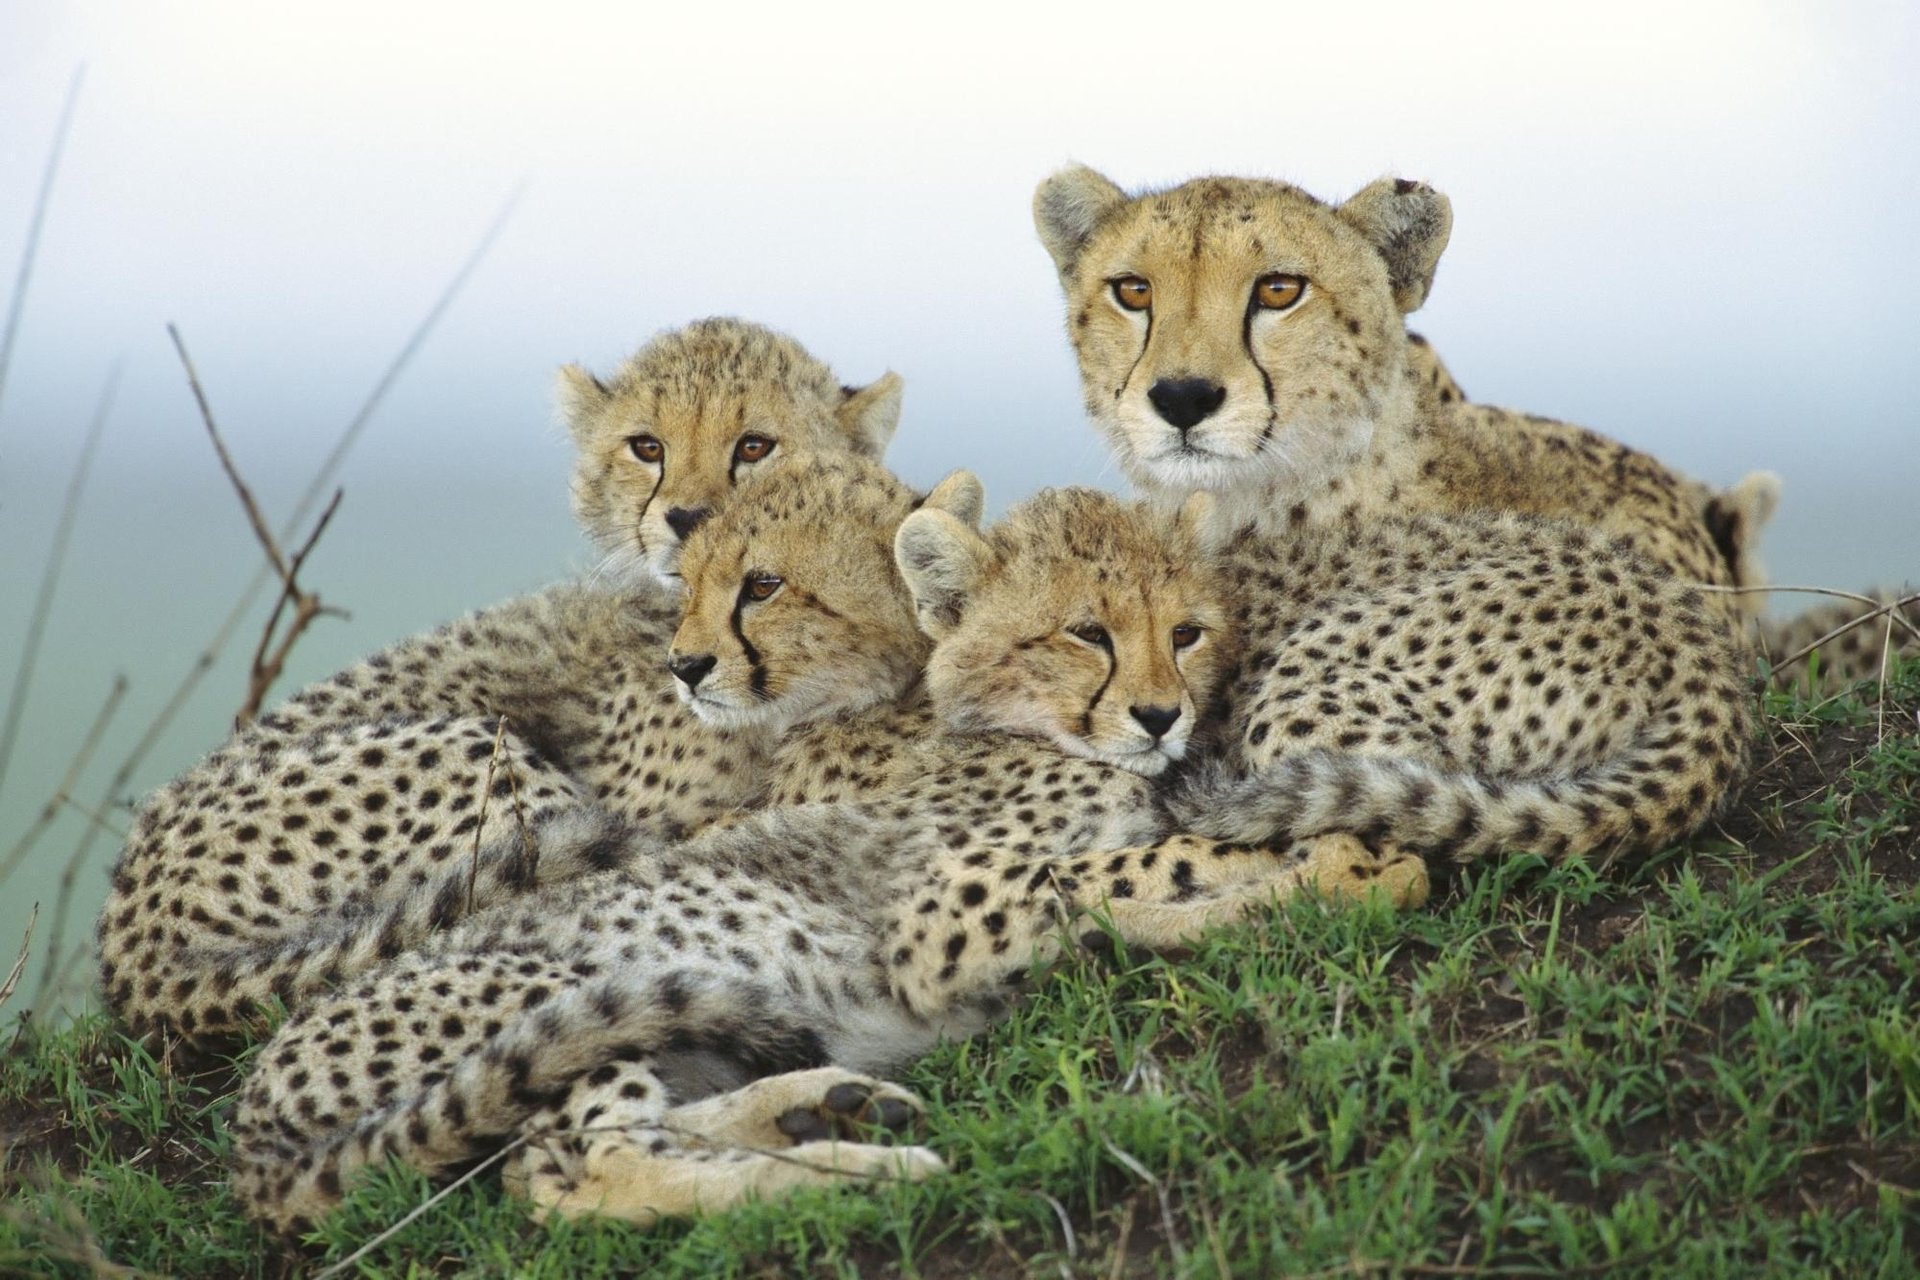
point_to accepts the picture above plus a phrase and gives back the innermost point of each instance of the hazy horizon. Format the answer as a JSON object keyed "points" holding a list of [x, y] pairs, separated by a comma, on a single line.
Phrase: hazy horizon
{"points": [[1686, 226]]}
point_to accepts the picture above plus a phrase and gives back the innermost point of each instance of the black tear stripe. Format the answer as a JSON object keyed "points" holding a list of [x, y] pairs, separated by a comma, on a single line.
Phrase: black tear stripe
{"points": [[756, 673], [640, 521], [733, 454], [1246, 342], [1086, 717], [1144, 344]]}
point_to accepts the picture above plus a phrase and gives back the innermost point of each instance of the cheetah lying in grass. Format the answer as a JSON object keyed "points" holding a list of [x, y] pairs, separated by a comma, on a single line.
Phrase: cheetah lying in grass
{"points": [[708, 1021], [389, 800]]}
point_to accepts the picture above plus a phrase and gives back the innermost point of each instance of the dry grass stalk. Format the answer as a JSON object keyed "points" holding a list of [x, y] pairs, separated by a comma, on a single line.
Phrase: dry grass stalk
{"points": [[17, 303], [480, 827], [63, 795], [20, 963], [50, 577]]}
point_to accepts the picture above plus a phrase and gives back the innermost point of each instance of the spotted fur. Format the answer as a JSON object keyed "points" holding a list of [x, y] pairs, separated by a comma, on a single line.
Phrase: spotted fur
{"points": [[443, 773], [681, 994]]}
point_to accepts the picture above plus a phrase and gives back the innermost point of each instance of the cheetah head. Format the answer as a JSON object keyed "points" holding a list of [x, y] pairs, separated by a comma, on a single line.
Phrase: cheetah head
{"points": [[695, 413], [1084, 620], [1233, 332], [794, 611]]}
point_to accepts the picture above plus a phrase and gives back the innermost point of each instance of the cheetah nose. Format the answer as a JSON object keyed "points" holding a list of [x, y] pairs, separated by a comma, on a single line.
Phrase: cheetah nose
{"points": [[690, 669], [1182, 401], [1156, 720], [684, 520]]}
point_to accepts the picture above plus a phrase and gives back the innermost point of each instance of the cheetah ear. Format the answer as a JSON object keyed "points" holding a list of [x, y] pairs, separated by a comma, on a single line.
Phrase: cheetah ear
{"points": [[942, 560], [1408, 222], [1734, 518], [960, 495], [1196, 520], [1068, 207], [579, 395], [869, 414]]}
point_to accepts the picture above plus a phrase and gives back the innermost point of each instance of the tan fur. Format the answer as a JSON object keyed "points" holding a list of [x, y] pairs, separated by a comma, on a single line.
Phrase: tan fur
{"points": [[702, 393], [1328, 412], [375, 807], [1467, 631], [658, 1033]]}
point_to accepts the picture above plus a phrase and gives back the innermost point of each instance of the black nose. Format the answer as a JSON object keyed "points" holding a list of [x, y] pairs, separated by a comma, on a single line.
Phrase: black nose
{"points": [[690, 668], [1156, 720], [684, 520], [1182, 401]]}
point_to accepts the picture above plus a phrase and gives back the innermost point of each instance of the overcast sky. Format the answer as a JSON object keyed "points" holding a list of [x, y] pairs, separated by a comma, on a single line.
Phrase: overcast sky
{"points": [[1690, 225]]}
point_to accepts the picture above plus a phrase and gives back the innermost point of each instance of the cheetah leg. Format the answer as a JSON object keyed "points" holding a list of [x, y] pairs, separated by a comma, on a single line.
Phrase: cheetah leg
{"points": [[644, 1181], [796, 1107], [981, 923], [613, 1147]]}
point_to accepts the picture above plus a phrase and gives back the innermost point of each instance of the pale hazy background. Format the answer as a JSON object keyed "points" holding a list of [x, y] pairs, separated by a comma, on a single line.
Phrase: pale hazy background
{"points": [[1691, 225]]}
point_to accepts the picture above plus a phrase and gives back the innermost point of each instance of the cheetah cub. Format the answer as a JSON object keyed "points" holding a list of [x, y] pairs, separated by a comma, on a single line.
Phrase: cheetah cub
{"points": [[709, 1020], [450, 770]]}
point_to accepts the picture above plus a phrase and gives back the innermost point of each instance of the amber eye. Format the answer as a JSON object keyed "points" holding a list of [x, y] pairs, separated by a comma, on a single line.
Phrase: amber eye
{"points": [[1277, 292], [1132, 292], [761, 586], [646, 448], [1092, 633], [752, 448], [1186, 635]]}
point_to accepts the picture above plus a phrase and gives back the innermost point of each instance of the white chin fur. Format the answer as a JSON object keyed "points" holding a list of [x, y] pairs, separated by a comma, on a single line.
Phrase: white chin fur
{"points": [[1228, 454], [1149, 762], [770, 716]]}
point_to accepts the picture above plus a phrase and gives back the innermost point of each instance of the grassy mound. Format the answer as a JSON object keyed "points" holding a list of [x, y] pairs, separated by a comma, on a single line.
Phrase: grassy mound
{"points": [[1707, 1063]]}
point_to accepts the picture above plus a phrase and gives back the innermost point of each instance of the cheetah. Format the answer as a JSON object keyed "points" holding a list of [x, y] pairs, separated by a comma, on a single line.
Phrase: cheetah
{"points": [[1572, 682], [1242, 337], [713, 1019], [439, 774], [689, 417]]}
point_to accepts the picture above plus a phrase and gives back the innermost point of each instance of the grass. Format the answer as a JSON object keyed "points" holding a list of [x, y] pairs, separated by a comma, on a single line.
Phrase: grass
{"points": [[1704, 1064]]}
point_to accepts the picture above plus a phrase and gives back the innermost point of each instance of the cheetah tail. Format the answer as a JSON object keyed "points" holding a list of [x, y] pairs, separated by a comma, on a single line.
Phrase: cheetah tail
{"points": [[491, 1093], [564, 845], [1651, 793]]}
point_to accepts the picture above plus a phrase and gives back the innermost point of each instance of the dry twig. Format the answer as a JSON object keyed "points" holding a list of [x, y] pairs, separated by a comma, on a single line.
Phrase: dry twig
{"points": [[270, 655], [20, 964]]}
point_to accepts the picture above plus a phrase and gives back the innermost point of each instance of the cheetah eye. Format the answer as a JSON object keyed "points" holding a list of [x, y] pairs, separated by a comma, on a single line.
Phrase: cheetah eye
{"points": [[1279, 291], [646, 448], [753, 448], [761, 586], [1092, 633], [1132, 292], [1187, 635]]}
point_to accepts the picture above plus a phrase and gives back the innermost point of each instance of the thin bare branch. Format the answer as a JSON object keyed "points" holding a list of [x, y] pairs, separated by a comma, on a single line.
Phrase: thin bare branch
{"points": [[63, 794], [1874, 605], [1891, 609], [17, 303], [269, 656], [20, 964], [204, 661], [50, 578], [267, 666], [261, 532], [351, 435], [347, 1262]]}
